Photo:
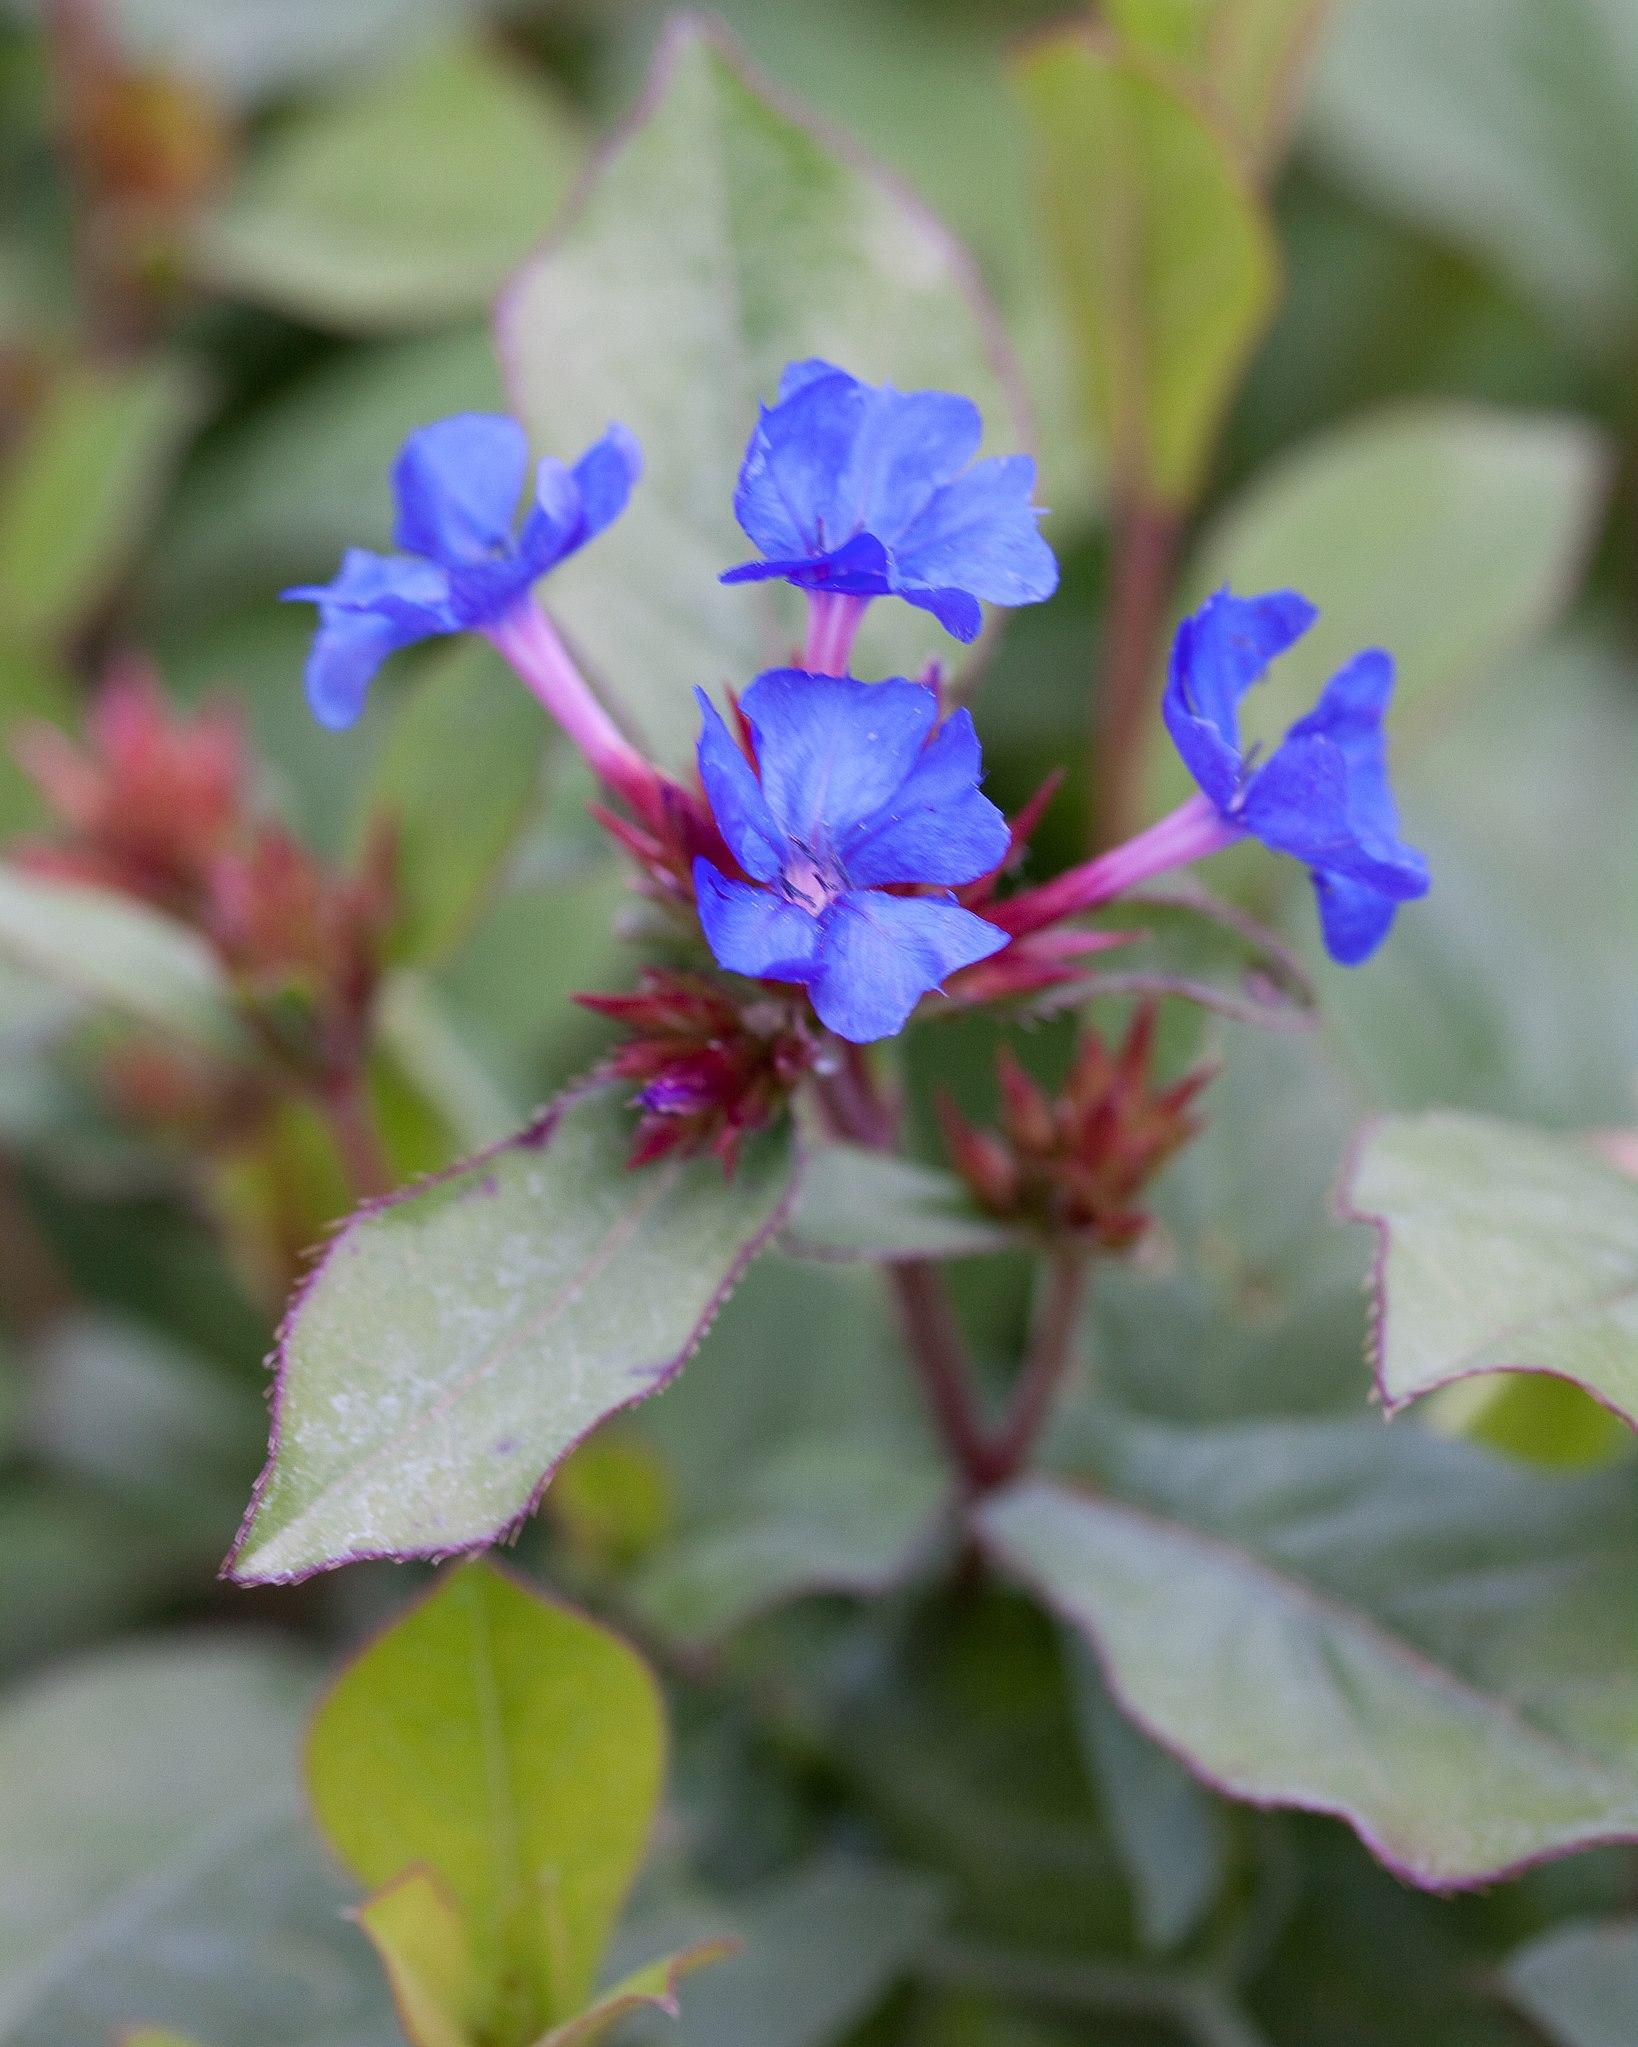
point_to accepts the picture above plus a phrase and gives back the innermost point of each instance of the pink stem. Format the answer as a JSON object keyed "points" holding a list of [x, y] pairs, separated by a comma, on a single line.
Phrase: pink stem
{"points": [[529, 641], [1191, 832], [833, 625]]}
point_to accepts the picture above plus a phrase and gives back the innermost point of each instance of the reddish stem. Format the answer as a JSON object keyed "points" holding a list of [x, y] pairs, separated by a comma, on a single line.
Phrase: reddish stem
{"points": [[1145, 545], [1051, 1352], [357, 1141]]}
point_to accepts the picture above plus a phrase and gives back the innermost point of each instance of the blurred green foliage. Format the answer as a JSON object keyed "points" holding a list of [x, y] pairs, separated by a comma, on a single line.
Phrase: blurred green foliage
{"points": [[237, 264]]}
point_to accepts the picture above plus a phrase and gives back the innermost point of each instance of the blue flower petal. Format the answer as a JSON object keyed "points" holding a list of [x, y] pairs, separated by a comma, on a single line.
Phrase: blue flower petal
{"points": [[736, 798], [936, 827], [347, 649], [796, 376], [879, 954], [959, 613], [790, 495], [1354, 918], [755, 931], [457, 483], [572, 506], [1219, 652], [981, 534], [1349, 713], [606, 474], [909, 445], [832, 751], [861, 568]]}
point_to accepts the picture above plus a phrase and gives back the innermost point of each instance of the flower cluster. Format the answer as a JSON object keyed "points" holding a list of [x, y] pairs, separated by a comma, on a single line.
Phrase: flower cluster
{"points": [[838, 841], [711, 1068]]}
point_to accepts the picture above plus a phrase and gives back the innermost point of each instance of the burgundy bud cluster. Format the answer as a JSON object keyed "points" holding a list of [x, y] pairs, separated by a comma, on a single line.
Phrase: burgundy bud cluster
{"points": [[158, 805], [1075, 1164], [710, 1068], [148, 803]]}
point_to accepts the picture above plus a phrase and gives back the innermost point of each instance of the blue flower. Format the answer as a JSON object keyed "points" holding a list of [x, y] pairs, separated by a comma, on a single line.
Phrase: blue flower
{"points": [[1322, 796], [853, 791], [859, 490], [464, 566]]}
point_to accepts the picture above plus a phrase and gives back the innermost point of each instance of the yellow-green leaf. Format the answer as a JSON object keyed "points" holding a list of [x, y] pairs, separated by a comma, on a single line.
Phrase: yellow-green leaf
{"points": [[1165, 251], [513, 1751]]}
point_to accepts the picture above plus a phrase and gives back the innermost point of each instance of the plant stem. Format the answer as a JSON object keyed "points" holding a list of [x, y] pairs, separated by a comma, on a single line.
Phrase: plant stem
{"points": [[530, 642], [357, 1140], [932, 1336], [82, 63], [1051, 1352], [1145, 545]]}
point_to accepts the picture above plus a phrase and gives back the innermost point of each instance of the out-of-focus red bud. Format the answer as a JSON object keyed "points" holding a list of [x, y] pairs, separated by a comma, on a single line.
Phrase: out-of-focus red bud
{"points": [[148, 801]]}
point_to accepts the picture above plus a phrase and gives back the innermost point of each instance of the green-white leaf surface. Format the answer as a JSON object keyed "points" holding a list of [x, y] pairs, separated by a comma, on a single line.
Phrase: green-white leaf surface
{"points": [[819, 1950], [515, 1750], [1506, 125], [403, 205], [826, 1516], [112, 1771], [1166, 255], [1409, 1634], [117, 954], [456, 1342], [1502, 1249], [454, 782], [856, 1203], [722, 240], [78, 489], [1579, 1983], [240, 1938]]}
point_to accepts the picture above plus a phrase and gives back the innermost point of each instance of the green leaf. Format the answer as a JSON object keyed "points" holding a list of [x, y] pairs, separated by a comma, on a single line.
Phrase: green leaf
{"points": [[856, 1203], [651, 1988], [1167, 257], [1579, 1983], [457, 1341], [1312, 1616], [403, 204], [455, 780], [823, 1516], [78, 490], [1502, 1250], [240, 1937], [515, 1750], [1248, 55], [429, 1051], [415, 1927], [118, 954], [820, 1949], [722, 240], [1170, 1834], [157, 2036], [1505, 127], [1445, 533], [112, 1770], [279, 495]]}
